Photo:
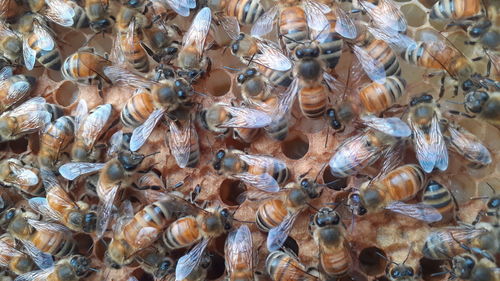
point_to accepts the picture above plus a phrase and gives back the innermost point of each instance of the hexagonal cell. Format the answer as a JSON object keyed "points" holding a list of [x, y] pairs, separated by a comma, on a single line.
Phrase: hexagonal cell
{"points": [[431, 269], [428, 3], [219, 83], [415, 16], [295, 147], [372, 261], [229, 191], [66, 94]]}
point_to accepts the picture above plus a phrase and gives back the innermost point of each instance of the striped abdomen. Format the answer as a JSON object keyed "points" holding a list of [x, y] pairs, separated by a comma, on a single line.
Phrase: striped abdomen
{"points": [[134, 53], [277, 170], [403, 183], [194, 151], [282, 267], [455, 9], [55, 243], [50, 59], [275, 77], [377, 97], [335, 262], [293, 25], [439, 197], [80, 20], [313, 101], [182, 233], [137, 109], [54, 140], [383, 53], [74, 69], [270, 214], [246, 11], [246, 135], [331, 47]]}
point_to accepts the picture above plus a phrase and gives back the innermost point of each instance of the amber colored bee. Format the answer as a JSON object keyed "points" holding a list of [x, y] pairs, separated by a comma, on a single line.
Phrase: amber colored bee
{"points": [[455, 9], [246, 11], [59, 205], [11, 43], [378, 97], [281, 266], [85, 66], [13, 259], [72, 268], [334, 255], [264, 172], [90, 126], [129, 43], [439, 197], [13, 88], [98, 16], [467, 267], [238, 251], [23, 177], [38, 43], [54, 140], [137, 109], [484, 105]]}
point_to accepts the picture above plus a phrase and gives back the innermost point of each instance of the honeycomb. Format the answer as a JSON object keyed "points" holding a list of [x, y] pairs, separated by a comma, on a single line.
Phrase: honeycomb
{"points": [[306, 149]]}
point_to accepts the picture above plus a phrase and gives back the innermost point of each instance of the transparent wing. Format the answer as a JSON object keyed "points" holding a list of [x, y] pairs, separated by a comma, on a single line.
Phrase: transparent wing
{"points": [[94, 124], [80, 113], [44, 38], [7, 252], [22, 176], [277, 235], [418, 211], [60, 12], [287, 100], [71, 171], [271, 57], [18, 91], [456, 233], [431, 150], [179, 143], [126, 77], [468, 145], [190, 261], [117, 56], [182, 7], [316, 19], [198, 30], [6, 72], [37, 275], [243, 117], [48, 226], [29, 55], [105, 209], [115, 143], [239, 248], [344, 24], [265, 22], [41, 259], [33, 104], [5, 30], [142, 133], [41, 206], [335, 85], [231, 26], [397, 41], [261, 181], [373, 68], [386, 15], [392, 126]]}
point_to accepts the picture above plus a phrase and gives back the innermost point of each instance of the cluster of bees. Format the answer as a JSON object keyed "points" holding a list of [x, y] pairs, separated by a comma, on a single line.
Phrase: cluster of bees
{"points": [[290, 53]]}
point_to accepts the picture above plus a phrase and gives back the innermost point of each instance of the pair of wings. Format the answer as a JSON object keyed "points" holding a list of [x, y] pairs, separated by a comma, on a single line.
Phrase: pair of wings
{"points": [[21, 175], [181, 7], [468, 145], [31, 116], [8, 251], [44, 42], [262, 181], [89, 126], [239, 249], [16, 91]]}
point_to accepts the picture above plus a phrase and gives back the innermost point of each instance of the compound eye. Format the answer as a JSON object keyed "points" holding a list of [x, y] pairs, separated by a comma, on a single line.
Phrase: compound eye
{"points": [[395, 273], [241, 78], [251, 72], [304, 183], [235, 47], [227, 226], [494, 203], [10, 214], [182, 95], [476, 32], [224, 213], [409, 272], [193, 74], [467, 85], [362, 211], [241, 36], [320, 222], [299, 53], [315, 52], [336, 219], [220, 154]]}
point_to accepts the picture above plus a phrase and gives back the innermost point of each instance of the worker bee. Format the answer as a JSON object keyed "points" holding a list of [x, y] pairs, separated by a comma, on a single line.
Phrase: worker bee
{"points": [[13, 88], [142, 111], [483, 105], [128, 47], [90, 126], [467, 267], [184, 144], [38, 43], [400, 271], [192, 64], [244, 12], [54, 140], [11, 46], [98, 16], [59, 206], [72, 268], [263, 172], [389, 190], [439, 197], [455, 10], [85, 66], [239, 254], [23, 177], [282, 266], [154, 261], [334, 255], [13, 259], [378, 97], [424, 119]]}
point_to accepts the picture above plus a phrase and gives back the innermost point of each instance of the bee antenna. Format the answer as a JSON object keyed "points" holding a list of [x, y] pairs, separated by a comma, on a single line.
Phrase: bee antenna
{"points": [[491, 187], [319, 172], [93, 269], [409, 251], [384, 257], [151, 154], [324, 28], [455, 102], [199, 93], [233, 69], [312, 207], [291, 39], [242, 221]]}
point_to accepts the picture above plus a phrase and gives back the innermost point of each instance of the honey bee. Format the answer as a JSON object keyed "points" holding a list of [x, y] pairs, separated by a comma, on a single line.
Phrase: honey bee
{"points": [[401, 272], [13, 259], [97, 14], [54, 140], [184, 144], [90, 126], [85, 66], [58, 11], [11, 46], [263, 172], [128, 47], [59, 206], [72, 268], [467, 267], [15, 173], [245, 12], [483, 105], [334, 256], [455, 10], [165, 96], [27, 118], [239, 255], [192, 64], [13, 88], [378, 97], [389, 190], [38, 43], [282, 266], [424, 119], [439, 197]]}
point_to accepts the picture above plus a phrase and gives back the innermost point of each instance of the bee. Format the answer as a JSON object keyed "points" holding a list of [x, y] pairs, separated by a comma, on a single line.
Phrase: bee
{"points": [[467, 267], [334, 256], [72, 268], [282, 266], [184, 144], [54, 140], [165, 96], [14, 88], [85, 66], [129, 47], [180, 7], [59, 206], [38, 43], [98, 16], [401, 272], [192, 64], [263, 172], [13, 259], [90, 126], [338, 116], [378, 97], [200, 229], [439, 197], [11, 46], [58, 11], [245, 12], [50, 238], [239, 255], [386, 16], [424, 119], [455, 9], [483, 105], [80, 19], [389, 190], [15, 173]]}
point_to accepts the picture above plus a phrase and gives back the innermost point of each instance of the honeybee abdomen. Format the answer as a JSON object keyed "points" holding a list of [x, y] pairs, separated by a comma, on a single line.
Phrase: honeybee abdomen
{"points": [[55, 243], [50, 59], [57, 137], [331, 47], [194, 150], [439, 197], [74, 69], [246, 11], [313, 101], [404, 182], [377, 97], [455, 9], [137, 110], [35, 190], [181, 233], [293, 24], [335, 262], [278, 130], [281, 267], [270, 214], [55, 111], [441, 245], [135, 54], [80, 20], [247, 135], [275, 77], [382, 52]]}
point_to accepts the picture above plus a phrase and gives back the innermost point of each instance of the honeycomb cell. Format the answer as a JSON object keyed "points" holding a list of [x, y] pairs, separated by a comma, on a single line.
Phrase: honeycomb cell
{"points": [[372, 261], [218, 83], [295, 147], [66, 94], [229, 191]]}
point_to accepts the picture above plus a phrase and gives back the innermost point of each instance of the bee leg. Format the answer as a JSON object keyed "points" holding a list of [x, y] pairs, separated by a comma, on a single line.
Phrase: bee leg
{"points": [[456, 112], [442, 88]]}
